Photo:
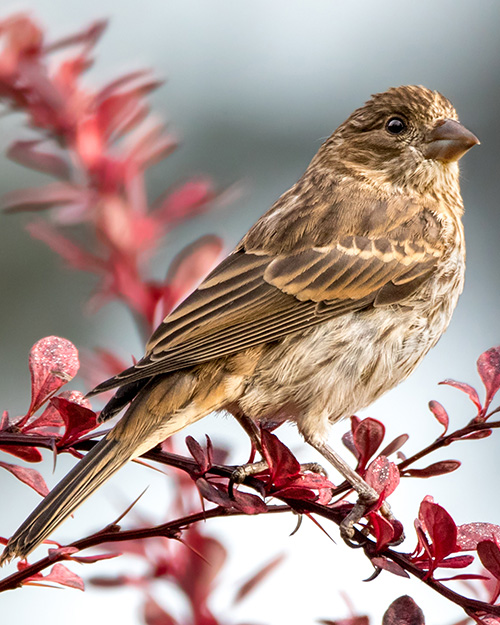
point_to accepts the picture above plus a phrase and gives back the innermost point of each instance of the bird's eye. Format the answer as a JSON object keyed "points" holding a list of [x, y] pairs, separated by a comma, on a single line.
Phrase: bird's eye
{"points": [[395, 125]]}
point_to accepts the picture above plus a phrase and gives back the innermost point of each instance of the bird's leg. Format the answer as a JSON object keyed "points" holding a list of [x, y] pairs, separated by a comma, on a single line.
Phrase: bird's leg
{"points": [[367, 496], [253, 468]]}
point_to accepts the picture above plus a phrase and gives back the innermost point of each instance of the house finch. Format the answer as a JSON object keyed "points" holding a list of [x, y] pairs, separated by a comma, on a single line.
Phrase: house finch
{"points": [[332, 298]]}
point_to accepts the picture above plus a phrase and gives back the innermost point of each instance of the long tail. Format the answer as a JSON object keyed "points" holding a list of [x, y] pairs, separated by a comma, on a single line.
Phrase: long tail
{"points": [[162, 408], [91, 472]]}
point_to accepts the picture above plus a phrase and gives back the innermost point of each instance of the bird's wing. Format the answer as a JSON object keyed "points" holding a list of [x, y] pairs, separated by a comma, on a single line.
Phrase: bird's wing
{"points": [[256, 297]]}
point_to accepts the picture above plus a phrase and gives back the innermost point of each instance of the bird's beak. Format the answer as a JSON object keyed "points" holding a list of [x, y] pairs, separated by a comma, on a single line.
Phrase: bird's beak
{"points": [[448, 141]]}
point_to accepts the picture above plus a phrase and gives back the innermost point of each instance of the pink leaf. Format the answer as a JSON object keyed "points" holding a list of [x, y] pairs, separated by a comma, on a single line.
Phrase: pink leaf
{"points": [[186, 201], [488, 366], [468, 389], [489, 554], [438, 468], [403, 611], [78, 420], [154, 614], [53, 362], [25, 153], [62, 575], [41, 198], [470, 534], [383, 476], [388, 565], [88, 37], [31, 477], [440, 413]]}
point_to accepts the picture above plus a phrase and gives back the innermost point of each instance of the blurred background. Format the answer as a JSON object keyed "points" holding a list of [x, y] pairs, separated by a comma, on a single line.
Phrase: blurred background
{"points": [[253, 89]]}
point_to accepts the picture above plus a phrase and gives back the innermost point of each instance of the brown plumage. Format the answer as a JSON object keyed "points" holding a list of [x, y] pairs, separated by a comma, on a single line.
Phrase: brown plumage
{"points": [[332, 298]]}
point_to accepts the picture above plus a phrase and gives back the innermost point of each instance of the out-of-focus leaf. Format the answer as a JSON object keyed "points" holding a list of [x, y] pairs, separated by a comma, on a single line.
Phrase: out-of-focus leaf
{"points": [[41, 198], [246, 588], [25, 153]]}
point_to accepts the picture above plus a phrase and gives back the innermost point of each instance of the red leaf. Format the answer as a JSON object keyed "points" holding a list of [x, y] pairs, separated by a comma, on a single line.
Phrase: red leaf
{"points": [[41, 198], [466, 388], [25, 153], [382, 530], [78, 420], [383, 476], [470, 534], [29, 454], [281, 462], [31, 477], [403, 611], [256, 579], [388, 565], [456, 562], [441, 529], [53, 362], [440, 413], [198, 453], [248, 503], [438, 468], [395, 445], [488, 366], [367, 438], [489, 554]]}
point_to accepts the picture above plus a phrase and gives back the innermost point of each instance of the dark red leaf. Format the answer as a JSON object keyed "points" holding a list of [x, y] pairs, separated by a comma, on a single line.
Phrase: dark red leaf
{"points": [[31, 477], [389, 565], [25, 153], [489, 554], [394, 445], [248, 503], [367, 438], [440, 527], [488, 366], [78, 420], [383, 476], [247, 587], [351, 620], [440, 413], [53, 362], [470, 534], [216, 493], [438, 468], [466, 388], [403, 611], [198, 453]]}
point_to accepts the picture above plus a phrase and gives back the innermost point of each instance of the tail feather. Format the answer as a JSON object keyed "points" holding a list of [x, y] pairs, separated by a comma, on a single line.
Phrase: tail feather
{"points": [[95, 468]]}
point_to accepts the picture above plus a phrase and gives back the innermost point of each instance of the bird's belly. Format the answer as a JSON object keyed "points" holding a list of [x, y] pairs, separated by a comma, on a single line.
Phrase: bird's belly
{"points": [[332, 370]]}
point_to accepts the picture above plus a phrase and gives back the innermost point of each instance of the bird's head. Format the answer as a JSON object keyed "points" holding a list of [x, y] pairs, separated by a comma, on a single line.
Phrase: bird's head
{"points": [[407, 136]]}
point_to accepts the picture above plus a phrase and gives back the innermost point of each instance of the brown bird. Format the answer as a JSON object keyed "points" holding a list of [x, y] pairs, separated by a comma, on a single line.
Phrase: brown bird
{"points": [[331, 299]]}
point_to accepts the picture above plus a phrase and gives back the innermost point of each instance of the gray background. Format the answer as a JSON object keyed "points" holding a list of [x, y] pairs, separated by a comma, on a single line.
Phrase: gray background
{"points": [[253, 88]]}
